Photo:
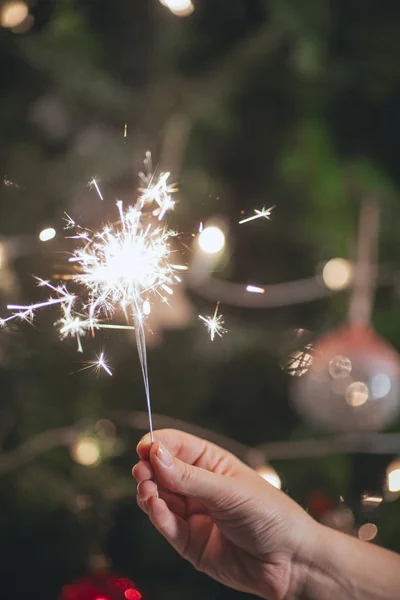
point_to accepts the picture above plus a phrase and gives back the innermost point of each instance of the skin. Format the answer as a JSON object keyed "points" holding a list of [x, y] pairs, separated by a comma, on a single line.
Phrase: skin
{"points": [[226, 520]]}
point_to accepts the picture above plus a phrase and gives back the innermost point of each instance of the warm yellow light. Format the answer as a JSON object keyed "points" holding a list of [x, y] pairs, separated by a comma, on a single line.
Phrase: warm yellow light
{"points": [[357, 393], [211, 240], [393, 477], [47, 234], [13, 14], [337, 274], [270, 475], [368, 532], [86, 452]]}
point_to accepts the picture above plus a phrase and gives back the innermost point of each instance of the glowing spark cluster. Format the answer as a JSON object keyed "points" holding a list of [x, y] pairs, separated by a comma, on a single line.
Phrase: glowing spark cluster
{"points": [[263, 213], [159, 192], [214, 323]]}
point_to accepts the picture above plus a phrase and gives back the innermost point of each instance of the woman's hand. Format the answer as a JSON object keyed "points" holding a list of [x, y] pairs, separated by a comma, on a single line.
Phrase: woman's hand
{"points": [[223, 517]]}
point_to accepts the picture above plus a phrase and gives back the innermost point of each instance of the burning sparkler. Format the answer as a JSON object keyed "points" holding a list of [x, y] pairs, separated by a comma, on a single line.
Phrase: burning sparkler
{"points": [[115, 269], [263, 213], [214, 323]]}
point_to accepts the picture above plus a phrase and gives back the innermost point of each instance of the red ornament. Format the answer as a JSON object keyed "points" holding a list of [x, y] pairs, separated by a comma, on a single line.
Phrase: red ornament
{"points": [[319, 504], [101, 585], [353, 383]]}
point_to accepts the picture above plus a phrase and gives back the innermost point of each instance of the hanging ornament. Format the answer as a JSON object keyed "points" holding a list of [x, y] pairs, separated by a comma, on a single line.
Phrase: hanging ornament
{"points": [[354, 382], [101, 585]]}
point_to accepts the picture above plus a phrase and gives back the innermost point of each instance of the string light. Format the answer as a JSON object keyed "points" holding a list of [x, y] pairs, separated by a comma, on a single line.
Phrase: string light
{"points": [[47, 234], [368, 532], [86, 452], [253, 289], [180, 8], [337, 274], [393, 476], [13, 14]]}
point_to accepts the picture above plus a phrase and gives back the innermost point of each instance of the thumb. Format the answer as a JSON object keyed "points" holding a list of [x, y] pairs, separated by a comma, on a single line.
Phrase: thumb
{"points": [[172, 474]]}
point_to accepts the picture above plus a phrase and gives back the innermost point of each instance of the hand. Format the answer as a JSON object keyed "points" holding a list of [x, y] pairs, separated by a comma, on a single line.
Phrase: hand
{"points": [[223, 517]]}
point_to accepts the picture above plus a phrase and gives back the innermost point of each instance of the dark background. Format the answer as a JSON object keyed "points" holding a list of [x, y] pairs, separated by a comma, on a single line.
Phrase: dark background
{"points": [[248, 103]]}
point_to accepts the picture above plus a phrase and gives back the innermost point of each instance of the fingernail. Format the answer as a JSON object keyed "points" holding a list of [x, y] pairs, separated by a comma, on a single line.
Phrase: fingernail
{"points": [[145, 440], [138, 489], [163, 455]]}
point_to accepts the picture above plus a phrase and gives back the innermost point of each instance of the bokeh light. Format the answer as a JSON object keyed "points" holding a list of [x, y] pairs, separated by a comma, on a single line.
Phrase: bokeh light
{"points": [[270, 475], [337, 274], [132, 594], [13, 14], [357, 393], [180, 8], [393, 476], [211, 240], [339, 367], [47, 234], [86, 452], [368, 532]]}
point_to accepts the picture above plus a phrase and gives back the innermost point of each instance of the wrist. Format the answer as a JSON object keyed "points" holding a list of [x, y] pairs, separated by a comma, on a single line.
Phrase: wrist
{"points": [[341, 566]]}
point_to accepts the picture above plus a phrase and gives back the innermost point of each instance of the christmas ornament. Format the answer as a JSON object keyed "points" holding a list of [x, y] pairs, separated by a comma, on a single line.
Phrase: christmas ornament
{"points": [[101, 585], [354, 382]]}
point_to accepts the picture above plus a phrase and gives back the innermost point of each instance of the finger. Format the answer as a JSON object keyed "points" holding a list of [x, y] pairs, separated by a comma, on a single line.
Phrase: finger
{"points": [[171, 526], [142, 505], [175, 504], [143, 471], [192, 450], [212, 489], [148, 489]]}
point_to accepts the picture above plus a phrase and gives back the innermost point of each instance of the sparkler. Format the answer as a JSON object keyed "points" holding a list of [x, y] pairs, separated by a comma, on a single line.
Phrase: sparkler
{"points": [[116, 269], [214, 323], [263, 213]]}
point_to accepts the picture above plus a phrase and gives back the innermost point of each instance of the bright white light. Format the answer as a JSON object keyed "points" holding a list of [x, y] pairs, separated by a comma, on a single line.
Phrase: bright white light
{"points": [[86, 452], [337, 274], [380, 385], [357, 393], [254, 289], [13, 14], [270, 475], [211, 240], [393, 477], [47, 234], [180, 8]]}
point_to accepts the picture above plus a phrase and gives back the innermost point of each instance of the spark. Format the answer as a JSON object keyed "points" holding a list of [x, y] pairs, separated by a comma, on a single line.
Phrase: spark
{"points": [[255, 290], [125, 131], [98, 364], [158, 191], [214, 323], [69, 221], [263, 213], [93, 183]]}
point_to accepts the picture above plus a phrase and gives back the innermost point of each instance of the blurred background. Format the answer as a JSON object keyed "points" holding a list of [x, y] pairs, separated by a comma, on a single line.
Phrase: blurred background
{"points": [[249, 104]]}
